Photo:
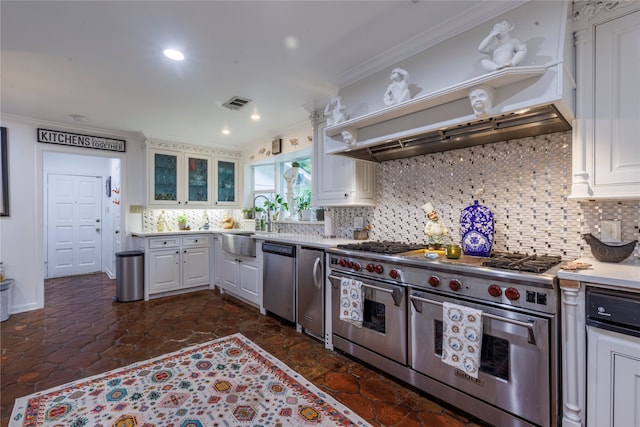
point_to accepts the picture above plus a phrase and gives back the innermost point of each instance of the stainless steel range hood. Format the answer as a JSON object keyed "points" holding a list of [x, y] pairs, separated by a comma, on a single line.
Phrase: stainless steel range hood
{"points": [[532, 122]]}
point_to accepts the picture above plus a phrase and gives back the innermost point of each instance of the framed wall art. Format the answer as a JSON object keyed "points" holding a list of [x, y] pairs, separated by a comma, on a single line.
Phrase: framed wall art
{"points": [[4, 173]]}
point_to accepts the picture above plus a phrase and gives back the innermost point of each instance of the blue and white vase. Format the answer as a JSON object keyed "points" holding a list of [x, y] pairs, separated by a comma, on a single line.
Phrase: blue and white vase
{"points": [[476, 230]]}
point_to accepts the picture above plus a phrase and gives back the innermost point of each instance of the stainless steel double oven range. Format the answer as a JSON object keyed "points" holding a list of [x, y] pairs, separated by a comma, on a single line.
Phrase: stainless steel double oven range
{"points": [[518, 383]]}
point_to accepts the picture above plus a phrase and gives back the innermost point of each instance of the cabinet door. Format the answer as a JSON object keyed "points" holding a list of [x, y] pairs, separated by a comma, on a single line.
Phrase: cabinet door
{"points": [[226, 182], [165, 178], [617, 66], [163, 270], [613, 378], [249, 281], [339, 180], [197, 180], [195, 267], [229, 274]]}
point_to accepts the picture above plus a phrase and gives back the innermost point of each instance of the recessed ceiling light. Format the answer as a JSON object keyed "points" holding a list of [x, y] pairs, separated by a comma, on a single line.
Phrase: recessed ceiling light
{"points": [[176, 55], [226, 131], [255, 116]]}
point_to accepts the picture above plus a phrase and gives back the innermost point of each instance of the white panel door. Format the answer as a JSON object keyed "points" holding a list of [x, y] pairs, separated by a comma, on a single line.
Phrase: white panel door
{"points": [[74, 209]]}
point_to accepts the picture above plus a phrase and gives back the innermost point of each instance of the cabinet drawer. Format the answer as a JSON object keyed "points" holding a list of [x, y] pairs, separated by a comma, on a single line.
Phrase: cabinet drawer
{"points": [[164, 243], [200, 240]]}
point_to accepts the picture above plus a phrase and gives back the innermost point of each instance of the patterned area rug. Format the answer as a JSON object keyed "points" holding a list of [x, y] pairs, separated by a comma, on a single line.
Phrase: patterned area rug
{"points": [[227, 382]]}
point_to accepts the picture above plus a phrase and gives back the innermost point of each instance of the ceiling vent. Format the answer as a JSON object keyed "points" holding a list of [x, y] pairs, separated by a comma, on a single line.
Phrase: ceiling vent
{"points": [[236, 103]]}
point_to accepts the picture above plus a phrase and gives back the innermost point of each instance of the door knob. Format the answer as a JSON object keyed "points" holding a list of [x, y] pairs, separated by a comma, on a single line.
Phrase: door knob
{"points": [[97, 229], [98, 220]]}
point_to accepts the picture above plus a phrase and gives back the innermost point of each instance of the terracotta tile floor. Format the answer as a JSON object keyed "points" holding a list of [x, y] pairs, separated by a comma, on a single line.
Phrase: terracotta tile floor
{"points": [[82, 332]]}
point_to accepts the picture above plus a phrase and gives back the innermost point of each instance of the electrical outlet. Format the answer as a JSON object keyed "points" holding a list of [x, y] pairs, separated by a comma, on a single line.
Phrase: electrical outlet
{"points": [[358, 222], [135, 209], [610, 231]]}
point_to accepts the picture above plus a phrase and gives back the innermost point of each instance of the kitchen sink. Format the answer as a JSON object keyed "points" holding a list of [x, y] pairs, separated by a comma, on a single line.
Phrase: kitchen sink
{"points": [[242, 244]]}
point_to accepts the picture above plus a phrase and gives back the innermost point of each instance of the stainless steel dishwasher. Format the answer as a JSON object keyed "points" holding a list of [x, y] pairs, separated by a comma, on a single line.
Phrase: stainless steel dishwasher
{"points": [[279, 280], [310, 273]]}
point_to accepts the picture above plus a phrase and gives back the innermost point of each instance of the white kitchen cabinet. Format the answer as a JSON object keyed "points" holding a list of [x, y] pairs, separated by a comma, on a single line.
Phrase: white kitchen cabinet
{"points": [[175, 263], [226, 182], [240, 276], [179, 178], [613, 372], [188, 176], [606, 152], [163, 270], [339, 180]]}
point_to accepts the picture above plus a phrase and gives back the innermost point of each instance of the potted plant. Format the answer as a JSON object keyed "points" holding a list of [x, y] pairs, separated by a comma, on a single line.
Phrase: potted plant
{"points": [[275, 206], [303, 203], [247, 213], [182, 222]]}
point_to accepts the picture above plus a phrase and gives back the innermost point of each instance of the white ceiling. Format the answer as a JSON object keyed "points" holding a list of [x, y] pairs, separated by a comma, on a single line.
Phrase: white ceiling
{"points": [[103, 59]]}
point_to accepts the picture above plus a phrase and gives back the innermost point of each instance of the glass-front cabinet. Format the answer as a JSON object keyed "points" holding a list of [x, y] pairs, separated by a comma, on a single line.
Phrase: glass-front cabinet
{"points": [[226, 182], [198, 178], [166, 177], [179, 179]]}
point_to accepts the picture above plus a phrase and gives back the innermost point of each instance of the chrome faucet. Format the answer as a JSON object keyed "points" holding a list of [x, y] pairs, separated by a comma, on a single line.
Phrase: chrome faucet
{"points": [[268, 221]]}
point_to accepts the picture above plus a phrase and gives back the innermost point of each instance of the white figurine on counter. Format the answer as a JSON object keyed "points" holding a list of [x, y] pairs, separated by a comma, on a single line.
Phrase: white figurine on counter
{"points": [[435, 229], [504, 51], [162, 223], [398, 90]]}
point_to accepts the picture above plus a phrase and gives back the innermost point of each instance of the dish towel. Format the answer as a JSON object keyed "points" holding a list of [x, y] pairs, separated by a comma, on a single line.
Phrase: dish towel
{"points": [[351, 301], [461, 337]]}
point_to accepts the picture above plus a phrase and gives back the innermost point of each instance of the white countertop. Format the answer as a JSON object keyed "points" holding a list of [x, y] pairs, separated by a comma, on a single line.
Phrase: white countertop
{"points": [[294, 238], [623, 276], [302, 239]]}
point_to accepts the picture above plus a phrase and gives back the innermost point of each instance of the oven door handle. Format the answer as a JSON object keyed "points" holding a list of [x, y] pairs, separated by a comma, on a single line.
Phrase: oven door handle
{"points": [[396, 293], [528, 325]]}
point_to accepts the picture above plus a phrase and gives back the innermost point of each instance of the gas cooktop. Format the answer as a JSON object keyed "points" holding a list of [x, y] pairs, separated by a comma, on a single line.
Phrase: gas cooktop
{"points": [[502, 260]]}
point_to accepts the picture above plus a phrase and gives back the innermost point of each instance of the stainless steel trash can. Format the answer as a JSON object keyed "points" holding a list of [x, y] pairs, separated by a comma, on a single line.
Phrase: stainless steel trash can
{"points": [[129, 276]]}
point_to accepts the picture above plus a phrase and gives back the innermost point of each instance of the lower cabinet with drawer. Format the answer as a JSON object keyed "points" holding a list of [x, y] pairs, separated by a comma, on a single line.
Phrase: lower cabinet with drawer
{"points": [[175, 264]]}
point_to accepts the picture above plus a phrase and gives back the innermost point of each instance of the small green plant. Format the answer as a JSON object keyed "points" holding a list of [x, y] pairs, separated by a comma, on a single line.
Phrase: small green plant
{"points": [[248, 213], [182, 218], [303, 200], [275, 205]]}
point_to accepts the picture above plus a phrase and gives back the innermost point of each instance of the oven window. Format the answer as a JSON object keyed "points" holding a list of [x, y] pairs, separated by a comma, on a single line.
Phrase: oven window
{"points": [[494, 358], [373, 316]]}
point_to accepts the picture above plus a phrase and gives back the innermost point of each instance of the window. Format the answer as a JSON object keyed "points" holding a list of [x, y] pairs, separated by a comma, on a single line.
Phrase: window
{"points": [[278, 178]]}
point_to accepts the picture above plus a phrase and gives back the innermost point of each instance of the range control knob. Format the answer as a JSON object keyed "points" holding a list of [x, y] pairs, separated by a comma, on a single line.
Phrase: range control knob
{"points": [[342, 262], [434, 281], [455, 285], [370, 268], [379, 269], [348, 263], [512, 294], [495, 290], [394, 274], [357, 266]]}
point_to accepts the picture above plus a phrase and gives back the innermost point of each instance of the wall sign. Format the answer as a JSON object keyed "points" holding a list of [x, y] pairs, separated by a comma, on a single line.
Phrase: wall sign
{"points": [[78, 140]]}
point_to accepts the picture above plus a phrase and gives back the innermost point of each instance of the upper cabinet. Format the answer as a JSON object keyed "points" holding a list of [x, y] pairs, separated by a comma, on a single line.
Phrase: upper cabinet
{"points": [[606, 152], [339, 180], [226, 182], [189, 176]]}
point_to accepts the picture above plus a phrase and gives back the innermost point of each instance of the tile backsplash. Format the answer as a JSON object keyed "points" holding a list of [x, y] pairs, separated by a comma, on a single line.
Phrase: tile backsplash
{"points": [[526, 184]]}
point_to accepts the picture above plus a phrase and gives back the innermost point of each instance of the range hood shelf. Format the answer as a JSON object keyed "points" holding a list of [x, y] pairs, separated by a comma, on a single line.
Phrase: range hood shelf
{"points": [[461, 131], [496, 80]]}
